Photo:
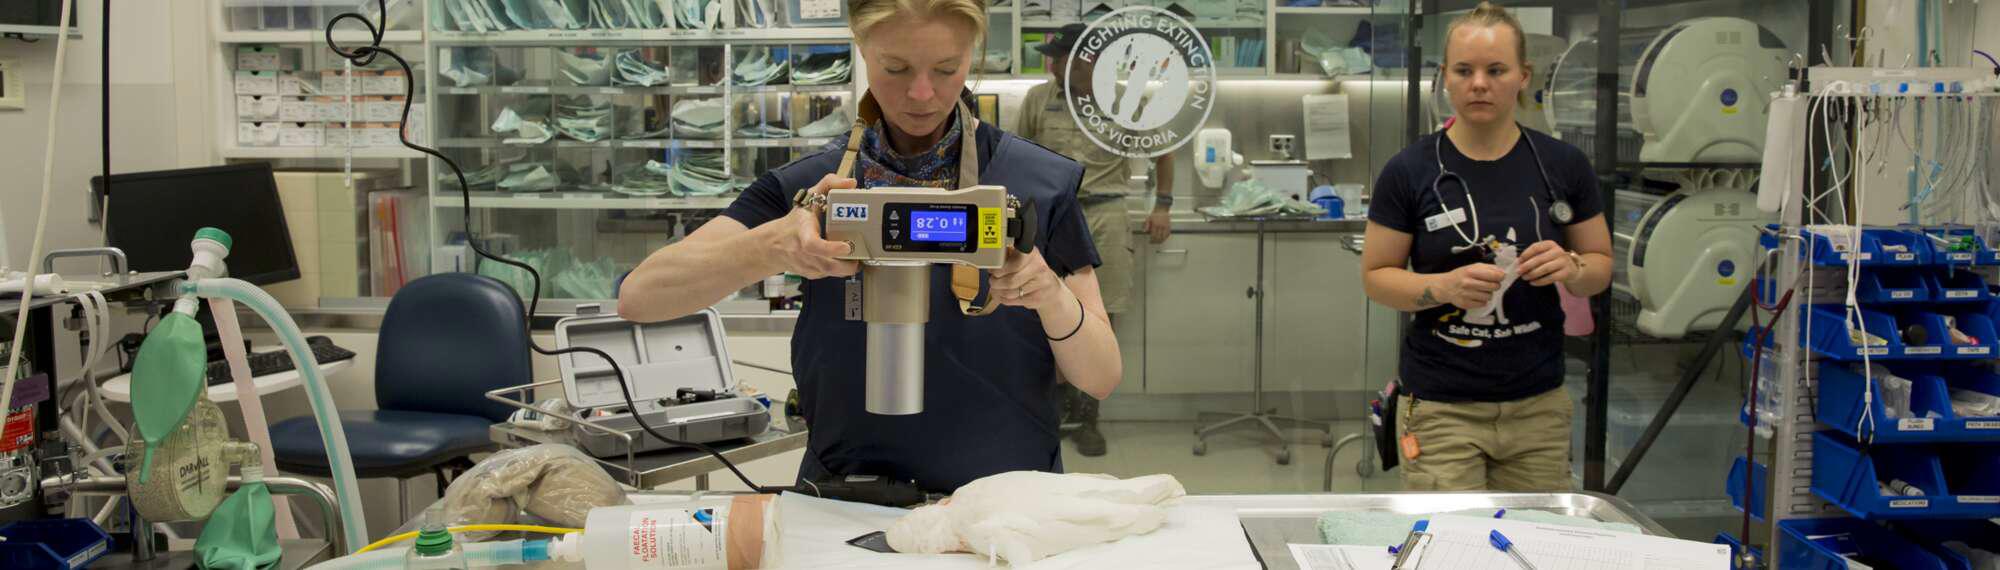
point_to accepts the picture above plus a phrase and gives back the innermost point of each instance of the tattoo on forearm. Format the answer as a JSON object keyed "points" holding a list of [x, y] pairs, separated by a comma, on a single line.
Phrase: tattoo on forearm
{"points": [[1428, 300]]}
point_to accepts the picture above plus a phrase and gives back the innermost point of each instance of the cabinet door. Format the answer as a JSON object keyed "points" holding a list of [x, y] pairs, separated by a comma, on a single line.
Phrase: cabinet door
{"points": [[1316, 326], [1199, 323], [1130, 326]]}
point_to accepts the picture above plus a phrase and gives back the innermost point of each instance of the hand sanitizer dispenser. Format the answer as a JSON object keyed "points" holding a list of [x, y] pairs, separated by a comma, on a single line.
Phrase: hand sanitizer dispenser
{"points": [[1212, 157]]}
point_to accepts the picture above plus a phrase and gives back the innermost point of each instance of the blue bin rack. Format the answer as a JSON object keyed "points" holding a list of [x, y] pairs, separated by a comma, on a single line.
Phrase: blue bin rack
{"points": [[1845, 476], [1824, 544], [1840, 404], [1759, 490], [1958, 286], [54, 544]]}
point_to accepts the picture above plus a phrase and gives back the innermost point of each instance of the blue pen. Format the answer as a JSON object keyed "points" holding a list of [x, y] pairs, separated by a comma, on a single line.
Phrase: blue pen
{"points": [[1502, 513], [1500, 542]]}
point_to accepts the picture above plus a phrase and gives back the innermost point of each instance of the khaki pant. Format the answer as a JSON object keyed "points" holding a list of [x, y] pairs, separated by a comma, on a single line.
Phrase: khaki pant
{"points": [[1520, 446], [1111, 230]]}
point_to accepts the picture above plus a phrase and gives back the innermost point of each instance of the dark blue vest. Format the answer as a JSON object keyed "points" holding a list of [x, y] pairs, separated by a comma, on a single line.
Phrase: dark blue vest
{"points": [[990, 388]]}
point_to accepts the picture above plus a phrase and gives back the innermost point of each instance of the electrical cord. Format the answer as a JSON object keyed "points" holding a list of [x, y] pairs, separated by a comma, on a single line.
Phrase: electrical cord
{"points": [[365, 55]]}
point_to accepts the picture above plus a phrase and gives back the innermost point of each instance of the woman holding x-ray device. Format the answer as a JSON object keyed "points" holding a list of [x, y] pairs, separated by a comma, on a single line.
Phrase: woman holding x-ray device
{"points": [[990, 401], [1458, 224]]}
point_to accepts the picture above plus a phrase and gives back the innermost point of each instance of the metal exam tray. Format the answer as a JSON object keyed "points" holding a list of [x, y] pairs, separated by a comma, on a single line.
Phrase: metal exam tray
{"points": [[1272, 521], [658, 360]]}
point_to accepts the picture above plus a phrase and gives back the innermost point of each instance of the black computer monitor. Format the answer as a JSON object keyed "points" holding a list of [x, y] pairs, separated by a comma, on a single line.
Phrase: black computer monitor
{"points": [[153, 215]]}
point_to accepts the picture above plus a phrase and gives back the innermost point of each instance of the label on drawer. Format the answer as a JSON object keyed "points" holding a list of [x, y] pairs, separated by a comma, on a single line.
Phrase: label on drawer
{"points": [[1920, 350], [1961, 294], [1958, 256], [1910, 503], [528, 90], [1861, 256], [256, 83], [1972, 350], [1982, 424], [1916, 424], [818, 9], [1904, 257], [1979, 499], [1902, 294], [1877, 351]]}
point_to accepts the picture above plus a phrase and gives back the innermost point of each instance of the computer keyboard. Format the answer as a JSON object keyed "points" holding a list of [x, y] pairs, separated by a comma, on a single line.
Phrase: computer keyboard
{"points": [[267, 363]]}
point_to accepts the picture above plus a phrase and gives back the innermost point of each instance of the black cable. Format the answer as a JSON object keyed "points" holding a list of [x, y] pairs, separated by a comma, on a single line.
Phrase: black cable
{"points": [[105, 106], [365, 55]]}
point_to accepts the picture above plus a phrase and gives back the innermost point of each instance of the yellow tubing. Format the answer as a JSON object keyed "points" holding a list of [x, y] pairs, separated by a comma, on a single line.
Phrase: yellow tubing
{"points": [[472, 528]]}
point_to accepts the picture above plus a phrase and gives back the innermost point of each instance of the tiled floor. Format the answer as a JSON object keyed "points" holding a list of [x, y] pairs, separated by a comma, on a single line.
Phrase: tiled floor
{"points": [[1243, 461]]}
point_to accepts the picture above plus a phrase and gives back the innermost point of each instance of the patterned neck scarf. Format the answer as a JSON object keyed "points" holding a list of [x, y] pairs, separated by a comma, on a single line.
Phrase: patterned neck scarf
{"points": [[880, 165]]}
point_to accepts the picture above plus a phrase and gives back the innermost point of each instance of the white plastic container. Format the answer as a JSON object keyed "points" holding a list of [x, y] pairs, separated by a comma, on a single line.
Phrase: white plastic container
{"points": [[736, 532]]}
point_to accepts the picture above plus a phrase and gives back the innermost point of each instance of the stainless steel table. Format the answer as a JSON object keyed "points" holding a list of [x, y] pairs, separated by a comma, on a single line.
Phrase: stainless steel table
{"points": [[1273, 521], [653, 469]]}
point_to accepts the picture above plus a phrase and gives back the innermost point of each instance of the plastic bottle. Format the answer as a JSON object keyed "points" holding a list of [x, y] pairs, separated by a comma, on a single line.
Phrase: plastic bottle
{"points": [[435, 550], [714, 533]]}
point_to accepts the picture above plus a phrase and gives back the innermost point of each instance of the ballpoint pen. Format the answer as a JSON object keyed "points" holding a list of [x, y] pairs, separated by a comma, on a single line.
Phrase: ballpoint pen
{"points": [[1500, 542]]}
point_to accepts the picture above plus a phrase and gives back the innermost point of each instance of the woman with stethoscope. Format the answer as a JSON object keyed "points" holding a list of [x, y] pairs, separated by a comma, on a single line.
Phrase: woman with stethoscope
{"points": [[1458, 223]]}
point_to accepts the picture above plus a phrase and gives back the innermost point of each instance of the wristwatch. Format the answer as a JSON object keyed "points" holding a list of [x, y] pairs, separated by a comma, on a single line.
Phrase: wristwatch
{"points": [[1163, 200]]}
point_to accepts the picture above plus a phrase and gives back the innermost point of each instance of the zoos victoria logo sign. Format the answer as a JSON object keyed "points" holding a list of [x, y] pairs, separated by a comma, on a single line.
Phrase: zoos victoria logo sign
{"points": [[1151, 82]]}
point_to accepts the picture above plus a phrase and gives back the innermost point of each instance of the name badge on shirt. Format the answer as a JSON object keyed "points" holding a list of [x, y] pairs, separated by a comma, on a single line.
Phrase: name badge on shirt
{"points": [[1453, 217]]}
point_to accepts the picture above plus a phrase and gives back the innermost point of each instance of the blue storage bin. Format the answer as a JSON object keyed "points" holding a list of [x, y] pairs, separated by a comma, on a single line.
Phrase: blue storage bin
{"points": [[1980, 534], [1974, 321], [1977, 379], [1958, 286], [1840, 405], [1894, 286], [1946, 248], [1937, 343], [1845, 476], [1759, 489], [1827, 333], [1899, 246], [1832, 252], [1972, 474], [1825, 544], [53, 544]]}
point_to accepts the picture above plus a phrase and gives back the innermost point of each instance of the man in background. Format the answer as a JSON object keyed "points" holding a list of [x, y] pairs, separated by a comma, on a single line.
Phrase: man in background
{"points": [[1046, 119]]}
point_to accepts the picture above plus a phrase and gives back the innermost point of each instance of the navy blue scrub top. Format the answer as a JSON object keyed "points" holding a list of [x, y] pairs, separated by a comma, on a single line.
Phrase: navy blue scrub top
{"points": [[990, 391]]}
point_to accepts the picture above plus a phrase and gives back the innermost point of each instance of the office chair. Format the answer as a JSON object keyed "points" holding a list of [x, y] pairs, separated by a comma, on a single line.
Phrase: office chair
{"points": [[446, 340]]}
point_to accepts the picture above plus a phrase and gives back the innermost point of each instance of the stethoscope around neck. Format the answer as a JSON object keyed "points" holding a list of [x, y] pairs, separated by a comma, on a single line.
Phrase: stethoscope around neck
{"points": [[1559, 209]]}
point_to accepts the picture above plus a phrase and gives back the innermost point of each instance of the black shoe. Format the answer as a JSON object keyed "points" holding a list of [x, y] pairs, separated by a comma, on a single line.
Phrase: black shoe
{"points": [[1089, 443]]}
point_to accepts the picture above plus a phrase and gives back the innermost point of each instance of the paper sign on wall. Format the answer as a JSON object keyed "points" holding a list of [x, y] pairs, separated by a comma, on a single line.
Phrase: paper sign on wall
{"points": [[1326, 127]]}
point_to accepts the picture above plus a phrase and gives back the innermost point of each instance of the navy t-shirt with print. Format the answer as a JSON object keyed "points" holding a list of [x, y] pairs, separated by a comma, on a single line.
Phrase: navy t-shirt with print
{"points": [[1516, 351]]}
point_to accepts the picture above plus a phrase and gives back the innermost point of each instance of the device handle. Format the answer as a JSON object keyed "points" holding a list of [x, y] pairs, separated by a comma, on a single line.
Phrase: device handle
{"points": [[1025, 226], [118, 263]]}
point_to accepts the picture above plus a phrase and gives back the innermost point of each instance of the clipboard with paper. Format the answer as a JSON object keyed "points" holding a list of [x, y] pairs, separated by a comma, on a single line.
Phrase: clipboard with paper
{"points": [[1450, 542]]}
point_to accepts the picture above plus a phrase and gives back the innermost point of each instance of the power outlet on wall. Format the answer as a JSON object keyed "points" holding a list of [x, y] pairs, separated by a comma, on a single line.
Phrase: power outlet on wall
{"points": [[13, 97], [1281, 145]]}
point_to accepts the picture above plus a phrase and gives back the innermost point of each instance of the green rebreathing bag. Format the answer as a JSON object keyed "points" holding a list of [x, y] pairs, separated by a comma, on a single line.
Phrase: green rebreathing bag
{"points": [[167, 376]]}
